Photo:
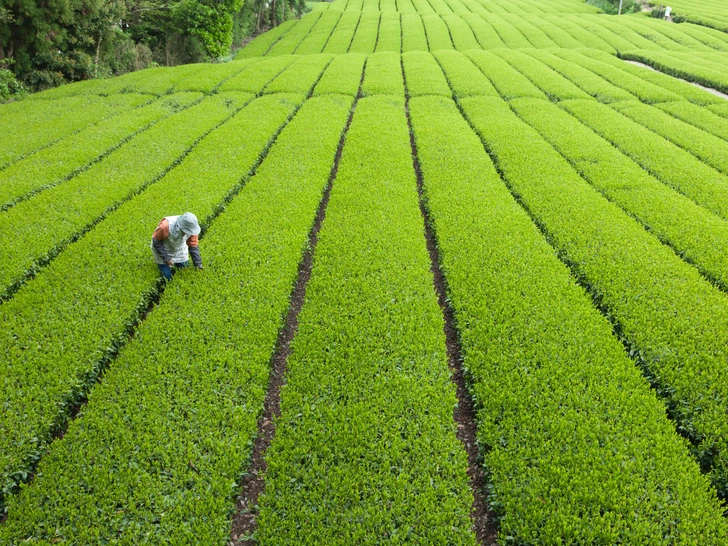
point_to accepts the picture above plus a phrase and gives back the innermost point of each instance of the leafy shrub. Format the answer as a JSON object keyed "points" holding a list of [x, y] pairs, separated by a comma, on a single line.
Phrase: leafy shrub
{"points": [[10, 88], [366, 453], [578, 448], [116, 289], [203, 434]]}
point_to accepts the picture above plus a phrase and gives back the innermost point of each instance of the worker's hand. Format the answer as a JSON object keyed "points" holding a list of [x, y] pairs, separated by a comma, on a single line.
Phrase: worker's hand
{"points": [[169, 263]]}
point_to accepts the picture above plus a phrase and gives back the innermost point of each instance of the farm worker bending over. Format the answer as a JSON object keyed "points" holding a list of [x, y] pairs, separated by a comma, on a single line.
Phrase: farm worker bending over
{"points": [[174, 240]]}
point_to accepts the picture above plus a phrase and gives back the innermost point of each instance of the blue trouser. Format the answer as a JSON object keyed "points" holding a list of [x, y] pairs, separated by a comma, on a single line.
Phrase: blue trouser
{"points": [[167, 271]]}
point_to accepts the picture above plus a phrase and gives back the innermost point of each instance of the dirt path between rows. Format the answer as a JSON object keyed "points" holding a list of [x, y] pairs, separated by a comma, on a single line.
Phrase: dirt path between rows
{"points": [[704, 88]]}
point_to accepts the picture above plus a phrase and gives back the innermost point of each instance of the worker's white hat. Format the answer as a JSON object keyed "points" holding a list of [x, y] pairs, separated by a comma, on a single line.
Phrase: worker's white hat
{"points": [[188, 224]]}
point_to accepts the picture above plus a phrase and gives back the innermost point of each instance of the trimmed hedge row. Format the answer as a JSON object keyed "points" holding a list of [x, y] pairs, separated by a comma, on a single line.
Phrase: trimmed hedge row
{"points": [[685, 69], [301, 75], [594, 85], [290, 40], [680, 88], [424, 76], [57, 163], [383, 74], [343, 34], [46, 122], [161, 82], [63, 328], [673, 320], [510, 35], [556, 34], [554, 85], [484, 32], [669, 163], [252, 81], [390, 33], [413, 33], [645, 90], [263, 42], [507, 80], [695, 233], [577, 447], [534, 35], [213, 76], [48, 221], [365, 448], [342, 76], [593, 27], [463, 76], [438, 35], [462, 35], [709, 149], [160, 447], [698, 116], [320, 34], [365, 38], [582, 35]]}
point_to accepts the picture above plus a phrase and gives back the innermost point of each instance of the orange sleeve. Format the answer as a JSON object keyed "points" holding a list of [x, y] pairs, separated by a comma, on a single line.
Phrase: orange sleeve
{"points": [[162, 231], [193, 241]]}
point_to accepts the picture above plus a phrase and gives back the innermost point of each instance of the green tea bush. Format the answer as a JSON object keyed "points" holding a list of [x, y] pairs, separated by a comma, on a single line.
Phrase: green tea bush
{"points": [[695, 233], [413, 33], [341, 38], [591, 83], [674, 321], [463, 76], [507, 80], [484, 32], [55, 164], [366, 427], [390, 32], [343, 75], [668, 162], [320, 34], [110, 276], [172, 469], [577, 446]]}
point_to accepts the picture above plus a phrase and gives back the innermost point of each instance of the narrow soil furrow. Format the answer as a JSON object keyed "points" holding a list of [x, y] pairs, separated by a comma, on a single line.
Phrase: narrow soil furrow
{"points": [[354, 34], [484, 523], [379, 28], [244, 521], [449, 33], [333, 30], [401, 36], [424, 29]]}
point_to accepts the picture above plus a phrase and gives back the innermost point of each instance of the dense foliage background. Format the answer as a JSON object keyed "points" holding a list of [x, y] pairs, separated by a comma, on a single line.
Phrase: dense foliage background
{"points": [[50, 42]]}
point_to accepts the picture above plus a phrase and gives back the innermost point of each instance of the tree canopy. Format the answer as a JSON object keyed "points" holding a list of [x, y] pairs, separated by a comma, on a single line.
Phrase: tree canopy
{"points": [[50, 42]]}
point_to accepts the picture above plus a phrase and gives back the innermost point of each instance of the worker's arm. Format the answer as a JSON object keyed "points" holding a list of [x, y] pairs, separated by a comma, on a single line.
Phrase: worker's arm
{"points": [[194, 248], [159, 235]]}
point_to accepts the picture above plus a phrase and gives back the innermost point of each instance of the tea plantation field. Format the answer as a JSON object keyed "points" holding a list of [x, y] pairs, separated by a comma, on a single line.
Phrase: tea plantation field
{"points": [[466, 275]]}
